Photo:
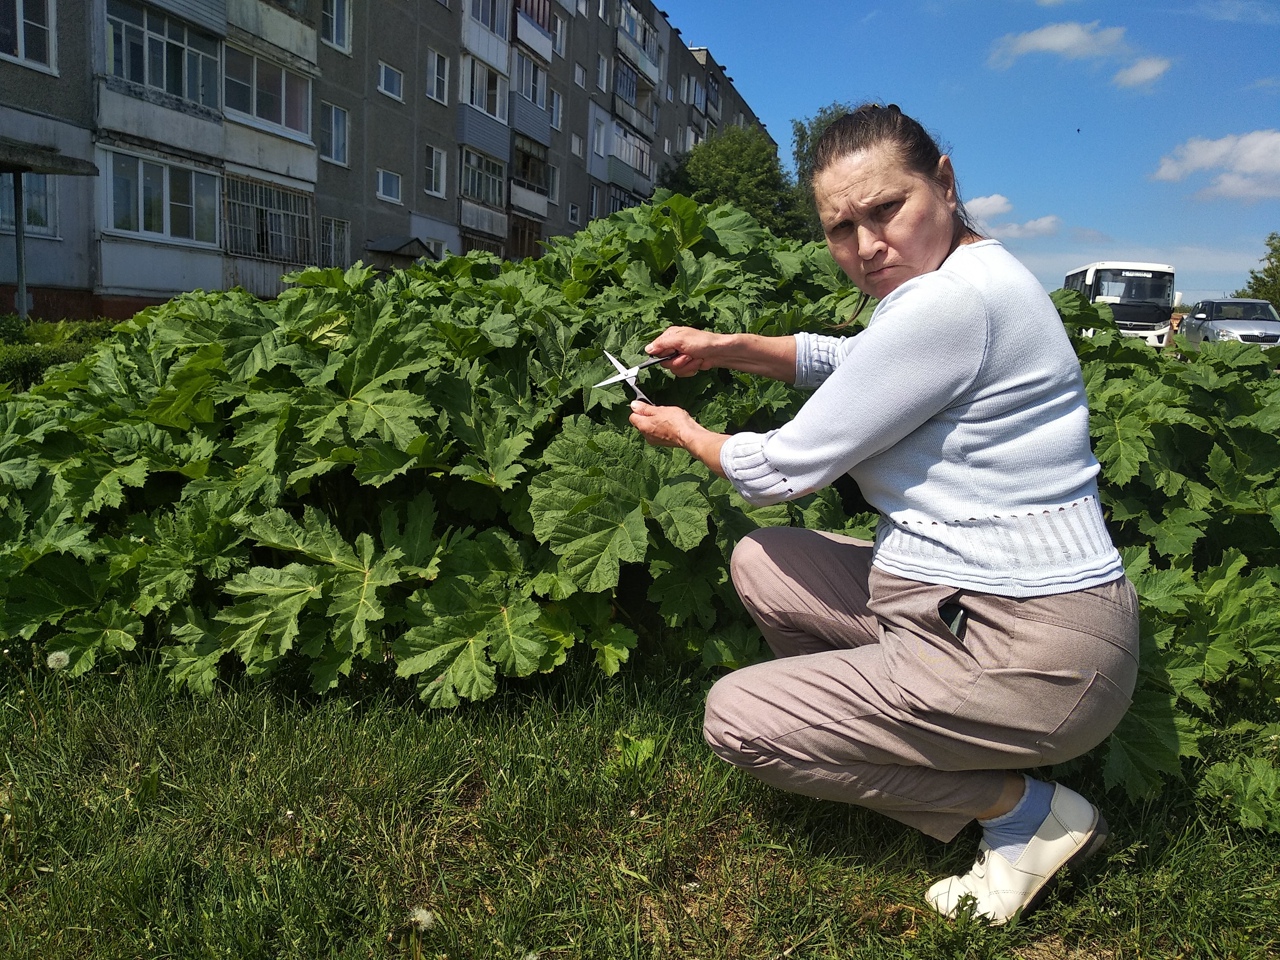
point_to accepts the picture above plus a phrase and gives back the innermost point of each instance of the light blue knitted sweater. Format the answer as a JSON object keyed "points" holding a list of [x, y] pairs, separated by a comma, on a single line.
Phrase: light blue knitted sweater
{"points": [[961, 413]]}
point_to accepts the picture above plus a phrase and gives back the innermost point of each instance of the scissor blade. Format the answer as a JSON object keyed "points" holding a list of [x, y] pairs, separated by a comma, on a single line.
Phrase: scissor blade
{"points": [[624, 373]]}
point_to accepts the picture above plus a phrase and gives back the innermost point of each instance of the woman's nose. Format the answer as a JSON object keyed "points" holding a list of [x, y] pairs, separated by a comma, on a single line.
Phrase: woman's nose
{"points": [[868, 243]]}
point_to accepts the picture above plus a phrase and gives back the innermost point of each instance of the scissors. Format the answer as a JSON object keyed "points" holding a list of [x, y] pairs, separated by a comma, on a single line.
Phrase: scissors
{"points": [[629, 374]]}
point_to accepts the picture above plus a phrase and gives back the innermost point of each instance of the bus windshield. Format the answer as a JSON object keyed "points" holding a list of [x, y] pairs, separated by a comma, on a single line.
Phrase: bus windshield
{"points": [[1114, 286]]}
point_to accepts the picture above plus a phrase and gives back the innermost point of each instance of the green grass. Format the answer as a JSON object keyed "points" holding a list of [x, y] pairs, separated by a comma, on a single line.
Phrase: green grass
{"points": [[568, 817]]}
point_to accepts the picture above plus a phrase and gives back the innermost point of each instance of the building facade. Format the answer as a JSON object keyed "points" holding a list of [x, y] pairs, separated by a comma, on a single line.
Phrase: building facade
{"points": [[238, 140]]}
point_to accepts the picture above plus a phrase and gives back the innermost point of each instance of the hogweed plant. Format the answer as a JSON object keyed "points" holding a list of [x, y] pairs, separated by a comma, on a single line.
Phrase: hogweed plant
{"points": [[412, 472]]}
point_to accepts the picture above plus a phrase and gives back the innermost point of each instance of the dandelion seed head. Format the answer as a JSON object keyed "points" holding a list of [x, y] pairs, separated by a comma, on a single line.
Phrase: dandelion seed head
{"points": [[58, 660], [422, 918]]}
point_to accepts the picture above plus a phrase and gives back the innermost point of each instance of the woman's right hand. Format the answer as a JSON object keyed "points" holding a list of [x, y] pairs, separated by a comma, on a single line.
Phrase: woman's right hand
{"points": [[696, 349]]}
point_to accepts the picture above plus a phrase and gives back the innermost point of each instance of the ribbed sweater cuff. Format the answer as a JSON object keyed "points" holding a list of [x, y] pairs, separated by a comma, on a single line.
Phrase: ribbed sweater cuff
{"points": [[815, 359], [748, 469]]}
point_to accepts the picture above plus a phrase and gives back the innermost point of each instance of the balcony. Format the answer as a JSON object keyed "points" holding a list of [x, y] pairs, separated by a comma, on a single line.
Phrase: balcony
{"points": [[485, 45], [528, 201], [472, 216], [632, 117], [646, 64], [533, 36]]}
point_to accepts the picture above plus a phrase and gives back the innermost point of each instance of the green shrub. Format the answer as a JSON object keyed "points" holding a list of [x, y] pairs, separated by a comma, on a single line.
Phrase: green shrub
{"points": [[13, 329], [27, 350]]}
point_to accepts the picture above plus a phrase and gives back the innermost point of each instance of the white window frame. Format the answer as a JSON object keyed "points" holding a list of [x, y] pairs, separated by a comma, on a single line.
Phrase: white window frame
{"points": [[576, 145], [671, 94], [252, 117], [385, 179], [33, 198], [555, 107], [387, 72], [50, 27], [575, 214], [167, 201], [597, 138], [553, 184], [593, 205], [580, 75], [493, 15], [582, 8], [559, 33], [437, 78], [474, 69], [602, 72], [162, 36], [338, 13], [531, 80], [338, 152], [483, 179], [335, 242], [436, 173]]}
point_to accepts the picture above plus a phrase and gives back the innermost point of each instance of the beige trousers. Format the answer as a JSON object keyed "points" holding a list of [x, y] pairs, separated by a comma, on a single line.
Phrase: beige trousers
{"points": [[873, 700]]}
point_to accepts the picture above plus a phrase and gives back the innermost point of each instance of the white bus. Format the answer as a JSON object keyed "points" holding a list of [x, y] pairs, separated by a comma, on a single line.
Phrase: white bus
{"points": [[1141, 295]]}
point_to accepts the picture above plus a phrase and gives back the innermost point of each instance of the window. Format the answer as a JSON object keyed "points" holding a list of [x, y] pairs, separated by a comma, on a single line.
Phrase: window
{"points": [[638, 27], [266, 222], [530, 165], [671, 94], [556, 105], [666, 145], [604, 10], [582, 8], [580, 75], [435, 248], [559, 31], [160, 52], [626, 82], [575, 214], [435, 172], [388, 186], [38, 201], [619, 199], [713, 92], [483, 178], [593, 210], [26, 31], [390, 81], [553, 184], [491, 14], [335, 242], [333, 133], [484, 88], [575, 145], [632, 150], [602, 71], [261, 89], [539, 11], [531, 80], [437, 76], [523, 242], [335, 24], [597, 138], [163, 200]]}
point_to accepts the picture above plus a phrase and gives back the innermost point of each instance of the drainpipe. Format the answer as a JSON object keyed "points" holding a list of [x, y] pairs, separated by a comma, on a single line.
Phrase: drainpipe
{"points": [[19, 242]]}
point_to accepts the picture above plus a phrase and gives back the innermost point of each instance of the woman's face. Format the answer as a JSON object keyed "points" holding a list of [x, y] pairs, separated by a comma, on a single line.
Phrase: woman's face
{"points": [[885, 223]]}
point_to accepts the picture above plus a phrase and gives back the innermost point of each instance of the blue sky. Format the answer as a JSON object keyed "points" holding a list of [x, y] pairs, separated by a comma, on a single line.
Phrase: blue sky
{"points": [[1081, 130]]}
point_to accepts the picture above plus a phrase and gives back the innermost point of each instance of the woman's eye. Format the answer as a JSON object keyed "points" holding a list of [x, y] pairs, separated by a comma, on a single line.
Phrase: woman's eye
{"points": [[887, 208]]}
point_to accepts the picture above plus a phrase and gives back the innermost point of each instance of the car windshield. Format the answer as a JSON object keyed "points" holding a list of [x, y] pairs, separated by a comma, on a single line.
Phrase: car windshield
{"points": [[1136, 285], [1244, 311]]}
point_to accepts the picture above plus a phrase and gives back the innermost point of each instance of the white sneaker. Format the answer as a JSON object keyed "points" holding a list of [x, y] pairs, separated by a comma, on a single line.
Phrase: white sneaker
{"points": [[1071, 833]]}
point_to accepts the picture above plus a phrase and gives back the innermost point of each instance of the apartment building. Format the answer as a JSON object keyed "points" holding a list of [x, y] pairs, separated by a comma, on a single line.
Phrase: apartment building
{"points": [[237, 140]]}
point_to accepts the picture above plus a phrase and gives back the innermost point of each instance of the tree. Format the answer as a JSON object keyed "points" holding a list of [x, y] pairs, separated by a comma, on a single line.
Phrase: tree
{"points": [[804, 137], [1264, 284], [740, 165]]}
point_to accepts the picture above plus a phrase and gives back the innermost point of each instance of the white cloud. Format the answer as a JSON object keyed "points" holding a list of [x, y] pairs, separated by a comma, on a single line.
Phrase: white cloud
{"points": [[1248, 165], [1252, 12], [984, 208], [1040, 227], [1074, 41], [1145, 71]]}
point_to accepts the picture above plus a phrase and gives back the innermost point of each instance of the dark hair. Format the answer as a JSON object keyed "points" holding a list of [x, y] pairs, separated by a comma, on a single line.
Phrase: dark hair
{"points": [[872, 125]]}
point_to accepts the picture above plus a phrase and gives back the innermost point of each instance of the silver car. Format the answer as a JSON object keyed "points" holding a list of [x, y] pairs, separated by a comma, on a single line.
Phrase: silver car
{"points": [[1248, 321]]}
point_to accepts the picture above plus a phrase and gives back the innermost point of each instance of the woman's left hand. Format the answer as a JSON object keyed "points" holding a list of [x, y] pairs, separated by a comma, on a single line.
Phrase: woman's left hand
{"points": [[674, 427], [662, 426]]}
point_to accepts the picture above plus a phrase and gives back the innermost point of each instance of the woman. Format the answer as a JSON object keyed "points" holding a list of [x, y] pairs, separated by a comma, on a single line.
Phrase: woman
{"points": [[990, 627]]}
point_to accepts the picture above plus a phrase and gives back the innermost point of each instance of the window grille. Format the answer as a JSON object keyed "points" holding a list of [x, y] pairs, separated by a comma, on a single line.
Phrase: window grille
{"points": [[335, 242], [267, 222]]}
